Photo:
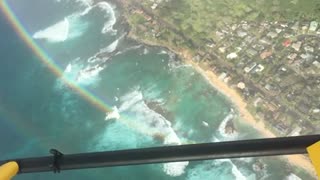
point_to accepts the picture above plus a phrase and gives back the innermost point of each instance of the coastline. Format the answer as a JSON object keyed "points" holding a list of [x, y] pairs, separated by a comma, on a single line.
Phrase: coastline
{"points": [[300, 161], [296, 160]]}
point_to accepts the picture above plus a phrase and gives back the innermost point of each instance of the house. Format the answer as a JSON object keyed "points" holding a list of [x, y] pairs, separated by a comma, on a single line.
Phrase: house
{"points": [[308, 49], [296, 46], [303, 107], [259, 47], [278, 30], [286, 43], [222, 76], [249, 39], [154, 6], [196, 58], [295, 27], [252, 52], [232, 55], [259, 68], [313, 26], [241, 85], [304, 29], [282, 128], [241, 33], [265, 54], [272, 34], [295, 132], [292, 56], [316, 63], [220, 34], [315, 111], [222, 49], [265, 41], [250, 68]]}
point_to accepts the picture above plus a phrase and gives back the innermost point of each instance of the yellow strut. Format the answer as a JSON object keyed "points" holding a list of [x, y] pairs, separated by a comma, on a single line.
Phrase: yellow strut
{"points": [[314, 154], [8, 170]]}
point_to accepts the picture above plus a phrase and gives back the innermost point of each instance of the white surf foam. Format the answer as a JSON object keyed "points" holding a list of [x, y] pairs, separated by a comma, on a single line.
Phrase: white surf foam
{"points": [[113, 46], [223, 124], [153, 124], [109, 14], [163, 52], [81, 2], [175, 168], [55, 33], [87, 3], [293, 177], [204, 123], [68, 68], [114, 114], [77, 26], [73, 26], [237, 173], [82, 74], [145, 51], [89, 74]]}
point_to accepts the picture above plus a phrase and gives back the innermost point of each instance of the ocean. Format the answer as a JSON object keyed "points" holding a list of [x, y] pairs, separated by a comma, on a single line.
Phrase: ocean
{"points": [[152, 97]]}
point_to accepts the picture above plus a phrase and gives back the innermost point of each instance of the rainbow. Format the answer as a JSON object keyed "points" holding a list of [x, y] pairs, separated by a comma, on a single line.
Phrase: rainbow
{"points": [[44, 58], [57, 71]]}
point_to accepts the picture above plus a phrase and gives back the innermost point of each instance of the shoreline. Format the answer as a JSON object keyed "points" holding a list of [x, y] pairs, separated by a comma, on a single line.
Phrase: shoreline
{"points": [[233, 96], [296, 160]]}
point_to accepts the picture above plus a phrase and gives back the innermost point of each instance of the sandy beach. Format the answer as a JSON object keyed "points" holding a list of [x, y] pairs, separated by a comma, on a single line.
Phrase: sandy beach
{"points": [[296, 160]]}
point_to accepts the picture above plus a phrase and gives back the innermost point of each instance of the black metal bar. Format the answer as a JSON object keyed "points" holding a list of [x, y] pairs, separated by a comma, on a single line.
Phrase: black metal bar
{"points": [[221, 150]]}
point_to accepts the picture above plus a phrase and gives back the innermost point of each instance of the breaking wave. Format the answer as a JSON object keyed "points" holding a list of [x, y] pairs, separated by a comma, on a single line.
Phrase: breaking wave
{"points": [[110, 13], [55, 33], [152, 124], [71, 27], [74, 26], [217, 169], [222, 127], [292, 177]]}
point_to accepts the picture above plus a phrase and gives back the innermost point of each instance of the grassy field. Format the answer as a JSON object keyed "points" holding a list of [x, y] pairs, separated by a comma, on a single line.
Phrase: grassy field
{"points": [[200, 18]]}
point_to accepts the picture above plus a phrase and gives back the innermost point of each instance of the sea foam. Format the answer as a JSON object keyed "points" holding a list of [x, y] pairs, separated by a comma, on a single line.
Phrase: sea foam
{"points": [[114, 114], [55, 33], [152, 124], [223, 124], [293, 177], [110, 13]]}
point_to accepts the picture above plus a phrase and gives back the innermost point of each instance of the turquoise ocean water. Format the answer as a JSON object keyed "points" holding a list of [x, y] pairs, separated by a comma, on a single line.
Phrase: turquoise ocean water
{"points": [[159, 100]]}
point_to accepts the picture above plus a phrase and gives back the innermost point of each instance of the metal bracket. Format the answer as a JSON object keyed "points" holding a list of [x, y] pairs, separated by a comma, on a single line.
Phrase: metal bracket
{"points": [[57, 156]]}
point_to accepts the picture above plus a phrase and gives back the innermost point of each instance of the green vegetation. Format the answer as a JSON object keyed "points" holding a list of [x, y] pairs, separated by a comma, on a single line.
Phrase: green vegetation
{"points": [[199, 18], [271, 46]]}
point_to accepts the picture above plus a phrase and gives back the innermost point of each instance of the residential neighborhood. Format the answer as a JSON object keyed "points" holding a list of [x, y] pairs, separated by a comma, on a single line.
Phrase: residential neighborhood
{"points": [[273, 65]]}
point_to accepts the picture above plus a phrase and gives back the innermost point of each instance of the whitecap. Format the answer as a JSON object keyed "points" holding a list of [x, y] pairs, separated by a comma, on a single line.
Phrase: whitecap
{"points": [[175, 168], [292, 177], [77, 26], [114, 114], [113, 46], [153, 124], [89, 75], [56, 33], [223, 124], [204, 123], [110, 13], [236, 172], [145, 51], [68, 68]]}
